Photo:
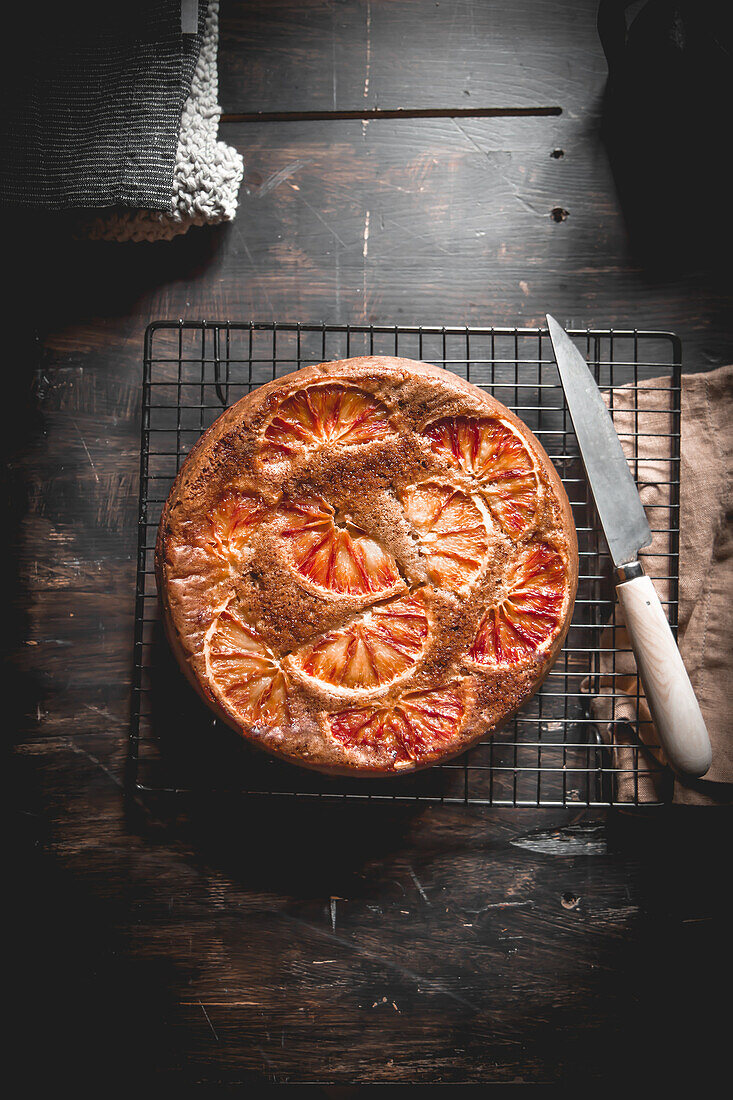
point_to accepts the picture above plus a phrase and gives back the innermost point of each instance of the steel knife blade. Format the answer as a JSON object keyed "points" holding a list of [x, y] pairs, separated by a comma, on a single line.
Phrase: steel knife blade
{"points": [[614, 490]]}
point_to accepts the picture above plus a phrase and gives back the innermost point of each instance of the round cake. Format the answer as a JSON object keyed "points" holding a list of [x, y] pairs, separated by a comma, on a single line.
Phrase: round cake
{"points": [[367, 565]]}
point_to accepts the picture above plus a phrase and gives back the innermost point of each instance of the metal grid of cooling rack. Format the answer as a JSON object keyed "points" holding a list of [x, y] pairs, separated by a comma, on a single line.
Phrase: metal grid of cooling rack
{"points": [[551, 754]]}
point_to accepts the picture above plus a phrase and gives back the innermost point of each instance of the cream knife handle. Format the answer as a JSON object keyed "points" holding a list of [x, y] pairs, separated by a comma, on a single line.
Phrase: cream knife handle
{"points": [[674, 708]]}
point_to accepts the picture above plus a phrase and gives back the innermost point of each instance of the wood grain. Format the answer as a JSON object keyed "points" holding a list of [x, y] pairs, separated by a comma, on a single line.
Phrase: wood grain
{"points": [[356, 54], [461, 228]]}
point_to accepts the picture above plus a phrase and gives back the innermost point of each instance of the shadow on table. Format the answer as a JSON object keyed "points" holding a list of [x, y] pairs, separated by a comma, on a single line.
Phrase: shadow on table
{"points": [[665, 126], [267, 821], [283, 827]]}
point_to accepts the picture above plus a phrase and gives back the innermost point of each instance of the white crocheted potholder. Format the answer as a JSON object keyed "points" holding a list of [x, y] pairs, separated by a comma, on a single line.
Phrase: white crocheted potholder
{"points": [[207, 174]]}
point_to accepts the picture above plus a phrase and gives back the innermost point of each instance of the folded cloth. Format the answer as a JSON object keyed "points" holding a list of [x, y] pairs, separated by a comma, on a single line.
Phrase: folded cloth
{"points": [[645, 422], [207, 173], [115, 109]]}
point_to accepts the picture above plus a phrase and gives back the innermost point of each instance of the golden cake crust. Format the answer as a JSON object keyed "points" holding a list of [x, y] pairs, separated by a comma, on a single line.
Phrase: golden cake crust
{"points": [[300, 538]]}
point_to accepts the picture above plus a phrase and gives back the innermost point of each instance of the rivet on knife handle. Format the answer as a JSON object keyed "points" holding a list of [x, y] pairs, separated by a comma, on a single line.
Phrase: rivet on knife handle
{"points": [[674, 708]]}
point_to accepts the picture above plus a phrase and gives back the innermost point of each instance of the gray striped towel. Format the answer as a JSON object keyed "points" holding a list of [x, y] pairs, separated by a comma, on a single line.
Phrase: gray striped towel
{"points": [[113, 109]]}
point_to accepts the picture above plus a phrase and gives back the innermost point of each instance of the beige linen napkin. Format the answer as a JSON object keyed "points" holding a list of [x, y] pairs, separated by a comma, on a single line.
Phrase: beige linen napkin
{"points": [[705, 585]]}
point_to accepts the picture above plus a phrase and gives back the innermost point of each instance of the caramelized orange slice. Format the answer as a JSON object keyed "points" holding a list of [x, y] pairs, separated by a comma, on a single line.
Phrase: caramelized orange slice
{"points": [[245, 672], [379, 646], [451, 531], [338, 557], [490, 451], [232, 520], [414, 729], [528, 617], [323, 414]]}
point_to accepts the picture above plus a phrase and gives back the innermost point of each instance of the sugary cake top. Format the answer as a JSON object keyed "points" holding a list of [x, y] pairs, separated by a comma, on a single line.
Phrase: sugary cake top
{"points": [[366, 565]]}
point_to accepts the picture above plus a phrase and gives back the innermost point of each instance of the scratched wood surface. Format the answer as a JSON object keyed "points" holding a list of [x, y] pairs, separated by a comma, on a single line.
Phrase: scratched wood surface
{"points": [[408, 55], [330, 946]]}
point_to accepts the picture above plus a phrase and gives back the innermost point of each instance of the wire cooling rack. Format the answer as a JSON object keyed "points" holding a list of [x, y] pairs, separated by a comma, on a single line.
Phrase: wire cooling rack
{"points": [[551, 754]]}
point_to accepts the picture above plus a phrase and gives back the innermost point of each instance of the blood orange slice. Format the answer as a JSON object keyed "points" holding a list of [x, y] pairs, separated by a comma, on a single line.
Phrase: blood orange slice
{"points": [[528, 617], [245, 672], [451, 530], [382, 644], [490, 451], [339, 557], [232, 520], [414, 729], [322, 414]]}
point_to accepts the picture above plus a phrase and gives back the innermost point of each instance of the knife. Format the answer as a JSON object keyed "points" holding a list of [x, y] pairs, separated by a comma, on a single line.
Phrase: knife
{"points": [[674, 708]]}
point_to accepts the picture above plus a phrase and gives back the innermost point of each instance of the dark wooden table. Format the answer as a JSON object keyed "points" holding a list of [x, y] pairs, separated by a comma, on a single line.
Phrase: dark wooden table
{"points": [[332, 945]]}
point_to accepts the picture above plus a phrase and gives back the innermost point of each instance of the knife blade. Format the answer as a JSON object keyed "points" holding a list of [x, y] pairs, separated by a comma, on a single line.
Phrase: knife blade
{"points": [[614, 490], [674, 708]]}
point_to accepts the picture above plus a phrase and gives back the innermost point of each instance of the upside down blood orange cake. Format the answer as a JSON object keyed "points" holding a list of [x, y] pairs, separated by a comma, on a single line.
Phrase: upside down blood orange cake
{"points": [[367, 565]]}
